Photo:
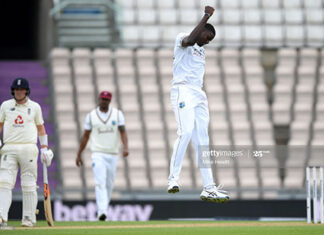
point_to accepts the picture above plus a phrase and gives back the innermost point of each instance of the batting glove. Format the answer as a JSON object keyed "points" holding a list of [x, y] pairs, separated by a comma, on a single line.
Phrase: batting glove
{"points": [[46, 156]]}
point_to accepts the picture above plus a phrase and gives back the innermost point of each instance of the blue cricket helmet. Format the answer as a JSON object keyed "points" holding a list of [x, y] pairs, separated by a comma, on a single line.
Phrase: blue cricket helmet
{"points": [[20, 83]]}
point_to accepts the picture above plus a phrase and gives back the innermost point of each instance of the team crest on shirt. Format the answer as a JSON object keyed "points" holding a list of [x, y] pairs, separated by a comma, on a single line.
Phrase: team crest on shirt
{"points": [[181, 104], [113, 122], [198, 52]]}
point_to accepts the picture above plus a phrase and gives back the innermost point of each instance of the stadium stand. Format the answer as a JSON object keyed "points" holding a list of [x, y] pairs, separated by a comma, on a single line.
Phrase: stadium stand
{"points": [[239, 23], [37, 75], [251, 98], [85, 23]]}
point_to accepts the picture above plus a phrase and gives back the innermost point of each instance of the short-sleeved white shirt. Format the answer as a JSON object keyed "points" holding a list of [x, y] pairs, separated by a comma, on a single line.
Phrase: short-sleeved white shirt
{"points": [[188, 63], [20, 121], [104, 116]]}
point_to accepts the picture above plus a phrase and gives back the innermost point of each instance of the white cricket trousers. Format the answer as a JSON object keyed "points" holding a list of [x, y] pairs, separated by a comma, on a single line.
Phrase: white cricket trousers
{"points": [[104, 169], [14, 156], [190, 107]]}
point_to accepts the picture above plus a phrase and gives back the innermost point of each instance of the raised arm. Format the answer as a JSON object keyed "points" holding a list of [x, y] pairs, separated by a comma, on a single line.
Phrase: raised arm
{"points": [[192, 38]]}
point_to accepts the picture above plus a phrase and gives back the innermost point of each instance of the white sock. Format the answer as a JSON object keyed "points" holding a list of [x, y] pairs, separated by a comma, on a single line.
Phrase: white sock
{"points": [[5, 202], [29, 205], [209, 187]]}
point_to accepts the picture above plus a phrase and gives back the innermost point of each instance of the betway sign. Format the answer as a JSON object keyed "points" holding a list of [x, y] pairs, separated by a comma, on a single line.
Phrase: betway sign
{"points": [[126, 212]]}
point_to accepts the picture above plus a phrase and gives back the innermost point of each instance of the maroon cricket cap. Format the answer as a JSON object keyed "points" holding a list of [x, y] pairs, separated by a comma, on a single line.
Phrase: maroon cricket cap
{"points": [[105, 95]]}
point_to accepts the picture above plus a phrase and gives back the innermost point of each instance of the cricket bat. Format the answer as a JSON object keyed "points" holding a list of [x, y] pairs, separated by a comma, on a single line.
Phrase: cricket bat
{"points": [[47, 198]]}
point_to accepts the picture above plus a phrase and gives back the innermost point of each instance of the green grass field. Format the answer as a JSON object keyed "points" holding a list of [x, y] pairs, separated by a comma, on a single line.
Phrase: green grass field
{"points": [[170, 227]]}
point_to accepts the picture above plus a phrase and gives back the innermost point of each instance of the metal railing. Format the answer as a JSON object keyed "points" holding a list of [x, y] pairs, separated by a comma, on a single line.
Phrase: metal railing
{"points": [[56, 11], [112, 11]]}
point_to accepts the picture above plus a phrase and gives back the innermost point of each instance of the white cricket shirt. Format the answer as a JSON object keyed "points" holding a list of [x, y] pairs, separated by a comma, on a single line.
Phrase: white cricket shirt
{"points": [[188, 64], [20, 121], [105, 136]]}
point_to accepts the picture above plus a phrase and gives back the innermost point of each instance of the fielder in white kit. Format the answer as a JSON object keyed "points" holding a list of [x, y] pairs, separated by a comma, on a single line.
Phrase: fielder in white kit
{"points": [[21, 120], [106, 127], [190, 105]]}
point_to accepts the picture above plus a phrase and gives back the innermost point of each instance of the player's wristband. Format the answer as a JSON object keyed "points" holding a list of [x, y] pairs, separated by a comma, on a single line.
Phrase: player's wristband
{"points": [[43, 140], [207, 14]]}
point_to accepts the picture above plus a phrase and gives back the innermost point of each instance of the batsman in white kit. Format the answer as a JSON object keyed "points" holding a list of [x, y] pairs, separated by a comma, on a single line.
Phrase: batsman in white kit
{"points": [[22, 121], [105, 126], [190, 105]]}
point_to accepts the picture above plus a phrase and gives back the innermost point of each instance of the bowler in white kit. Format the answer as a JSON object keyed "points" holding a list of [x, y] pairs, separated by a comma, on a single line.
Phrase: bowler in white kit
{"points": [[190, 105], [22, 121], [105, 126]]}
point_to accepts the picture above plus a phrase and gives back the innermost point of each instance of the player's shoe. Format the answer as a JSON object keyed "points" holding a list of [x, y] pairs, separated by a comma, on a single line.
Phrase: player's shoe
{"points": [[102, 217], [27, 223], [3, 223], [214, 194], [173, 187]]}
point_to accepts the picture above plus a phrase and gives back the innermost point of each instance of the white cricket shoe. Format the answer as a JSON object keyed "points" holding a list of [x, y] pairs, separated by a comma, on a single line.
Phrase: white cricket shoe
{"points": [[3, 223], [173, 187], [27, 223], [214, 194]]}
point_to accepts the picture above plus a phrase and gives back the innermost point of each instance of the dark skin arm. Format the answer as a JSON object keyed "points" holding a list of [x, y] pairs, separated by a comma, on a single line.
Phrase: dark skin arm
{"points": [[84, 141], [123, 136], [193, 37]]}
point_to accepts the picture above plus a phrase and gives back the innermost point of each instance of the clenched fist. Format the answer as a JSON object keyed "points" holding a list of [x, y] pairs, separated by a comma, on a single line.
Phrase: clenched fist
{"points": [[209, 10]]}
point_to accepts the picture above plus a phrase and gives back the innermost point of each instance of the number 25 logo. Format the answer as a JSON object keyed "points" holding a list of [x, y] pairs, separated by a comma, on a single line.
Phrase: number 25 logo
{"points": [[257, 154]]}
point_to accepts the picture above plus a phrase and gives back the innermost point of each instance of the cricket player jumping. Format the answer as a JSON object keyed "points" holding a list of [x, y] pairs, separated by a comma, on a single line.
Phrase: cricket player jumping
{"points": [[21, 120], [105, 126], [190, 105]]}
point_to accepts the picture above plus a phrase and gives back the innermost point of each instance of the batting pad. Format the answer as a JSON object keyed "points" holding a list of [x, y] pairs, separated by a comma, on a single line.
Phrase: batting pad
{"points": [[29, 205], [7, 179], [28, 186], [28, 182], [8, 171], [5, 202]]}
